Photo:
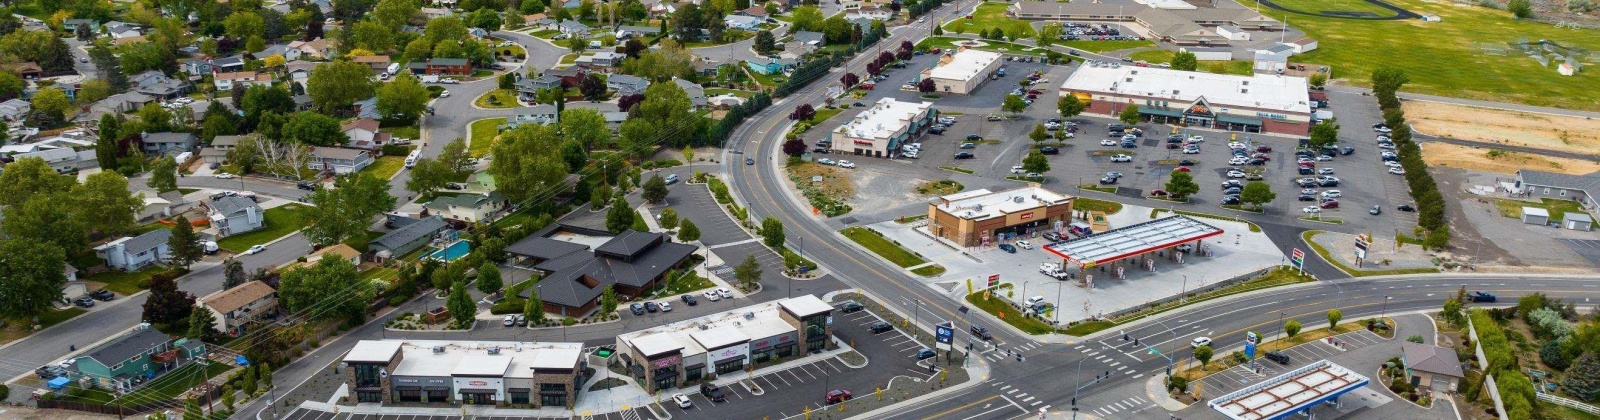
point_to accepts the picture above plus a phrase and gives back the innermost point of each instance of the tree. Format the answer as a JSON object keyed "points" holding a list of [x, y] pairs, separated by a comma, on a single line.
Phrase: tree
{"points": [[804, 112], [688, 232], [772, 232], [669, 219], [1438, 238], [927, 86], [336, 85], [192, 410], [1185, 60], [577, 42], [655, 189], [765, 42], [1257, 193], [163, 175], [748, 273], [1203, 354], [108, 67], [10, 85], [1038, 134], [232, 273], [1386, 81], [533, 308], [166, 304], [585, 126], [346, 210], [183, 245], [806, 18], [1333, 318], [620, 216], [31, 275], [27, 177], [1291, 328], [849, 80], [527, 162], [1035, 162], [52, 101], [227, 395], [104, 203], [592, 88], [1583, 378], [1181, 184], [200, 323], [455, 156], [1014, 104], [666, 117], [1129, 115], [794, 147], [1318, 80], [404, 97], [93, 90], [1520, 9], [1050, 34], [45, 218], [329, 289], [460, 305], [427, 176], [156, 118], [608, 301], [1325, 133], [251, 382], [313, 129], [485, 19]]}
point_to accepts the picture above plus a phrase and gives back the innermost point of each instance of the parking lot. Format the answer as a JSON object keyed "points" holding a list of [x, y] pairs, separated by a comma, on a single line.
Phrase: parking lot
{"points": [[1241, 376], [302, 413]]}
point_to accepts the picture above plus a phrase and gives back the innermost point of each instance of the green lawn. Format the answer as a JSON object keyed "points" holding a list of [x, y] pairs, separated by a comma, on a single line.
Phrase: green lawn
{"points": [[885, 248], [1110, 207], [281, 221], [766, 80], [729, 37], [988, 16], [1105, 46], [1320, 6], [125, 282], [1153, 56], [497, 99], [824, 114], [545, 34], [385, 167], [54, 317], [946, 42], [482, 136], [725, 91], [569, 58], [1456, 64], [404, 132], [929, 271], [996, 305], [1558, 208], [1237, 67]]}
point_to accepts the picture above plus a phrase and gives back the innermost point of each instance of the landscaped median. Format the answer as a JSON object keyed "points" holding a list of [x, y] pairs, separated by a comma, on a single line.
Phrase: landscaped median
{"points": [[1323, 252], [890, 250], [1253, 228]]}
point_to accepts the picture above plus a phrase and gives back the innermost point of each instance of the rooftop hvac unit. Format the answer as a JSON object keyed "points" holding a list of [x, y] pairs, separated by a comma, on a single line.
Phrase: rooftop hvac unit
{"points": [[1017, 199], [704, 327], [494, 350], [749, 315], [438, 349]]}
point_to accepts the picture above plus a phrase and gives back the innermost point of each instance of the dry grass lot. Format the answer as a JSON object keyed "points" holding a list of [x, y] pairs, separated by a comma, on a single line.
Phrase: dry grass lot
{"points": [[1502, 162], [835, 181], [1543, 131]]}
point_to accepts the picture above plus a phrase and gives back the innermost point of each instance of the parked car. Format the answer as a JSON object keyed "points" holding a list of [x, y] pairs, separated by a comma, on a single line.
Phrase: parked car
{"points": [[847, 164], [712, 295], [1406, 208], [510, 320], [964, 155], [1330, 204], [974, 137], [306, 185], [637, 308], [682, 400], [689, 299], [1052, 237], [1282, 359], [712, 392], [838, 396], [1122, 158], [925, 353], [725, 293], [103, 295], [880, 327], [665, 306], [1008, 248], [256, 249], [1048, 150], [83, 301], [1376, 210]]}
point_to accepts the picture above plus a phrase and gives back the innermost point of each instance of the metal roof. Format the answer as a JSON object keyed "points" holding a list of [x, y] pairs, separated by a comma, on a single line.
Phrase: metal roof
{"points": [[1133, 240], [1289, 393]]}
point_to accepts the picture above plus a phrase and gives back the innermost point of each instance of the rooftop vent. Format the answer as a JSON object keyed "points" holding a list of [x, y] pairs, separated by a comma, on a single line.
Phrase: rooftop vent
{"points": [[494, 350], [438, 349], [749, 315]]}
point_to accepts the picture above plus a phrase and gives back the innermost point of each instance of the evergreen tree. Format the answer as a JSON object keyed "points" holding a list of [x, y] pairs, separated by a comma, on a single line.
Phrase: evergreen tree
{"points": [[200, 324], [166, 305], [669, 219], [232, 273], [183, 246], [620, 216], [533, 309], [688, 232], [106, 149], [608, 301], [460, 305]]}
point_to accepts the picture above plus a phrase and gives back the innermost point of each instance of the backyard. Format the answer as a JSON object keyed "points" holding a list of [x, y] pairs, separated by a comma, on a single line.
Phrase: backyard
{"points": [[483, 134], [1470, 53], [125, 282], [990, 15], [385, 167], [165, 387], [281, 220]]}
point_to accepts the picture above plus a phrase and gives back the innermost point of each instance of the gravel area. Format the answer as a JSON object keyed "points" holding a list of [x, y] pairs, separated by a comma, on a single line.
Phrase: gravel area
{"points": [[1343, 248]]}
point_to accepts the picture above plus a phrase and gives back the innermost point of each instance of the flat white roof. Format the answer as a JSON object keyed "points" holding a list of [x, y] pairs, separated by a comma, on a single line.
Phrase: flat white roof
{"points": [[984, 204], [884, 119], [482, 364], [1535, 211], [965, 65], [1289, 392], [654, 344], [717, 330], [1263, 91], [808, 305], [1133, 240], [372, 351], [473, 358], [719, 337]]}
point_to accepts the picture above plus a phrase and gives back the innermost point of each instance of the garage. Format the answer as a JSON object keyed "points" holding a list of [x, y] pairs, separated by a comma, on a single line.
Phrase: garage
{"points": [[1535, 216], [1577, 221]]}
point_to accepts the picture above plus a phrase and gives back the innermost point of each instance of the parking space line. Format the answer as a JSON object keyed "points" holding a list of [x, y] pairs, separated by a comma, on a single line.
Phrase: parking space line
{"points": [[796, 377], [808, 371]]}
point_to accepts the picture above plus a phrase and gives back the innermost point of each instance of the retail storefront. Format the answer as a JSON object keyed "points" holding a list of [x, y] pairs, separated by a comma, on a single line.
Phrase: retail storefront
{"points": [[729, 359]]}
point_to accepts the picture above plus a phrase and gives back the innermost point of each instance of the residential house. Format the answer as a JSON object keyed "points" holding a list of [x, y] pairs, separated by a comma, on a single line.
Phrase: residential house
{"points": [[870, 14], [625, 84], [697, 93], [604, 59], [432, 13], [233, 309], [226, 143], [537, 114], [570, 76], [14, 109], [196, 66], [300, 71], [1431, 367], [1540, 184], [169, 143], [339, 160], [27, 70], [364, 134], [753, 11], [243, 79], [573, 27], [467, 207], [378, 63], [158, 85], [747, 23], [340, 251], [813, 39], [303, 103], [64, 160], [135, 359], [366, 108], [534, 19], [632, 263], [131, 253], [768, 65], [161, 205], [234, 215], [288, 54], [316, 49], [628, 31], [443, 66], [228, 64], [121, 103], [528, 87], [546, 24], [410, 237], [70, 272], [120, 30], [71, 25]]}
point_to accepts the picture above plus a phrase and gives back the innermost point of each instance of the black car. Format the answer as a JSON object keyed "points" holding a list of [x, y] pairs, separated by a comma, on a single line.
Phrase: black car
{"points": [[713, 392], [1174, 139], [1307, 171], [1406, 207], [925, 353], [83, 301], [652, 307], [964, 155], [981, 333], [1480, 297], [1049, 150], [1347, 150], [1282, 359], [690, 300], [974, 137], [1308, 197], [1231, 199], [1188, 162], [1329, 183], [102, 295], [749, 161], [1129, 144], [636, 308], [1232, 183], [306, 185], [1257, 162], [849, 307], [1008, 248], [880, 327], [936, 130], [820, 149]]}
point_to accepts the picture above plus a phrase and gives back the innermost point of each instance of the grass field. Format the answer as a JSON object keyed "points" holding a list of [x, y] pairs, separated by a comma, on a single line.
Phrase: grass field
{"points": [[1319, 6], [1105, 46], [1455, 63], [497, 99], [482, 137], [280, 221], [988, 45], [385, 167], [929, 271], [125, 282], [1153, 56], [1236, 67], [876, 243], [988, 16], [824, 114], [1558, 208], [1110, 207]]}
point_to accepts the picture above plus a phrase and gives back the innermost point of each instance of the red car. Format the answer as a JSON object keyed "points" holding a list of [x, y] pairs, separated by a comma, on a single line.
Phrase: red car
{"points": [[1158, 193], [838, 396], [1263, 149], [1262, 156], [1330, 204], [1036, 92], [1182, 169]]}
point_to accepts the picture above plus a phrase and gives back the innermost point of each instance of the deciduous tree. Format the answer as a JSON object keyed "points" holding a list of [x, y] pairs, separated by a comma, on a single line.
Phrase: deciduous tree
{"points": [[527, 161], [336, 85], [620, 216], [772, 232], [688, 232], [405, 97], [1035, 162], [1013, 104], [1257, 193], [655, 189], [347, 209], [748, 273], [1185, 60], [104, 203], [1325, 133], [329, 289], [31, 275], [166, 304], [1130, 115], [163, 175], [489, 281], [1181, 184]]}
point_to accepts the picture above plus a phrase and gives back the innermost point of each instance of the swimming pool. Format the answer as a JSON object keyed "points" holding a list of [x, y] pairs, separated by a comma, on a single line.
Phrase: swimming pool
{"points": [[456, 250]]}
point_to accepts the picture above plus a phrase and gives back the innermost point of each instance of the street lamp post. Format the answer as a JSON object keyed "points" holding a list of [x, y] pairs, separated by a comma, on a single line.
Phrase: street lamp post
{"points": [[1078, 386], [1183, 291], [1385, 312]]}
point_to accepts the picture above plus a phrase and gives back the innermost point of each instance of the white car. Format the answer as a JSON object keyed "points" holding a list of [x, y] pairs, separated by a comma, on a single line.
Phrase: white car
{"points": [[1384, 130], [847, 164], [1197, 139], [725, 293], [255, 250], [1324, 158], [1397, 171], [1311, 209], [1018, 170], [682, 400], [1325, 171], [1332, 194], [1108, 142], [444, 94], [1122, 158], [1391, 164], [825, 161], [1191, 150], [1236, 174], [712, 295], [1023, 244], [1235, 145], [665, 306], [224, 175], [1238, 160], [1200, 341]]}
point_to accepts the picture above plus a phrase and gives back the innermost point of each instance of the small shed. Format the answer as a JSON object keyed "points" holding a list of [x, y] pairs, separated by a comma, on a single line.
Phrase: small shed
{"points": [[1535, 216], [1577, 221]]}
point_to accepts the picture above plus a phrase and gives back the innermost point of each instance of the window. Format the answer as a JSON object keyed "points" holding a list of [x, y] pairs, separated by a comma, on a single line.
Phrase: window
{"points": [[1547, 191], [1563, 193], [366, 376]]}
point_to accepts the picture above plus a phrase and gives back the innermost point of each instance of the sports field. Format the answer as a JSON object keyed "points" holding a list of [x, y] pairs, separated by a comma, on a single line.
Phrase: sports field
{"points": [[991, 15]]}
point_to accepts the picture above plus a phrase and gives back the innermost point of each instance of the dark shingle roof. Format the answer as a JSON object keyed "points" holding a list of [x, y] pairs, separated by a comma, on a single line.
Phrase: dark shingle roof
{"points": [[1587, 183], [564, 285], [448, 62], [544, 248], [411, 232], [232, 204], [147, 241], [1431, 359], [128, 346], [630, 242]]}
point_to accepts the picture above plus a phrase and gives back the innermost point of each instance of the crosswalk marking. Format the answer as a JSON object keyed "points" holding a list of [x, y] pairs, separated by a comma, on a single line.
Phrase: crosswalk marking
{"points": [[1011, 391], [1139, 375], [1115, 363]]}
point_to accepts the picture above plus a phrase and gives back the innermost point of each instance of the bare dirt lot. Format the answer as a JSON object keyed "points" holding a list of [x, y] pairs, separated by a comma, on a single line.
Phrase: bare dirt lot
{"points": [[1542, 131], [1500, 161]]}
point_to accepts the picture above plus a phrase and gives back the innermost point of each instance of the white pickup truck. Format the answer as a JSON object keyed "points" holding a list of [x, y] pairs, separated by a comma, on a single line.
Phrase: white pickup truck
{"points": [[1053, 270]]}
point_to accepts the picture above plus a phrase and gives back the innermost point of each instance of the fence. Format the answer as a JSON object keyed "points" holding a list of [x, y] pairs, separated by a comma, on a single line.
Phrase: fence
{"points": [[1565, 402], [122, 409]]}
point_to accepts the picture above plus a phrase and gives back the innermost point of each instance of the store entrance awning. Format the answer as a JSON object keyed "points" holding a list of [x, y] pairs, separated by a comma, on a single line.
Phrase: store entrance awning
{"points": [[1161, 112], [1238, 120]]}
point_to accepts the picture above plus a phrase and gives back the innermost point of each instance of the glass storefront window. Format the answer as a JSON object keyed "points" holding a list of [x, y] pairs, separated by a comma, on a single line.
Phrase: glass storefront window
{"points": [[519, 397], [367, 376]]}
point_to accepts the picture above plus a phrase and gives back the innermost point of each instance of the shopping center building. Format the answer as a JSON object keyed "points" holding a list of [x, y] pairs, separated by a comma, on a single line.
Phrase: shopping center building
{"points": [[980, 217], [963, 71], [505, 373], [1262, 103], [882, 128], [685, 352]]}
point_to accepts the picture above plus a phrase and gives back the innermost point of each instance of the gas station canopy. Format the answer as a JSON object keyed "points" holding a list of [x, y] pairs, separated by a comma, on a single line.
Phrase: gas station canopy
{"points": [[1133, 240]]}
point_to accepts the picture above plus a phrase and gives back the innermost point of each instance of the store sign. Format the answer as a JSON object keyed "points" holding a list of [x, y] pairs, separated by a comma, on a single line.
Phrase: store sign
{"points": [[477, 383], [770, 342], [406, 381], [1269, 115], [1028, 215], [670, 361], [731, 352], [863, 143]]}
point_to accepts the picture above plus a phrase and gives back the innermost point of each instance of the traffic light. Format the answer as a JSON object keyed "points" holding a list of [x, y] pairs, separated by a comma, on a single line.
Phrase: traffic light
{"points": [[1074, 402]]}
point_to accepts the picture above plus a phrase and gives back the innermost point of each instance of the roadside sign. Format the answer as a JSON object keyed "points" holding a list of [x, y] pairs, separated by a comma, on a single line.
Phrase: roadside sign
{"points": [[1250, 340], [994, 280], [1299, 258], [944, 334]]}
